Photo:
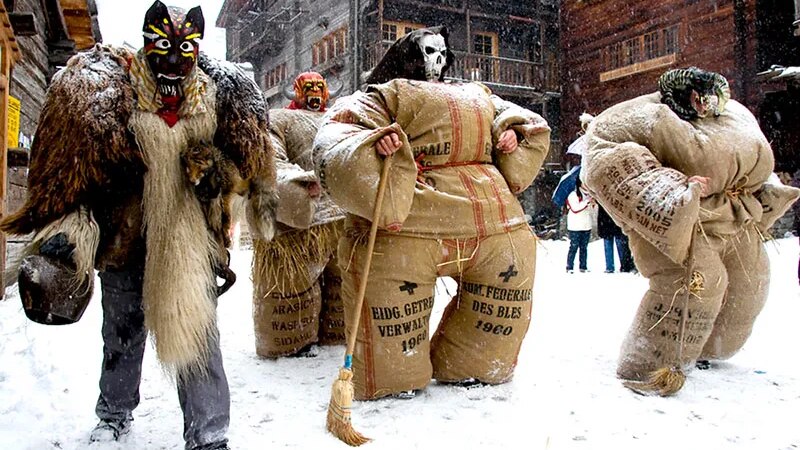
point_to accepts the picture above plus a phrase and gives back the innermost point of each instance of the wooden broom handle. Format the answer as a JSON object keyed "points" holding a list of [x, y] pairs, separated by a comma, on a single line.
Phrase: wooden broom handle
{"points": [[373, 232]]}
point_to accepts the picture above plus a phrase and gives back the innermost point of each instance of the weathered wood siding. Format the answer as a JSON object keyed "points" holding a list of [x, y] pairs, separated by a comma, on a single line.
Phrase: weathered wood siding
{"points": [[707, 38], [28, 78]]}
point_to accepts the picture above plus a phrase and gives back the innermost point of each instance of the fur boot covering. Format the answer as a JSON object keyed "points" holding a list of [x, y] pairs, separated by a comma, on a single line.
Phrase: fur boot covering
{"points": [[92, 130]]}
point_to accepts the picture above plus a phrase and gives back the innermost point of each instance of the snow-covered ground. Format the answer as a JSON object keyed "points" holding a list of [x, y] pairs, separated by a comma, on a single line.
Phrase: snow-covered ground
{"points": [[564, 394]]}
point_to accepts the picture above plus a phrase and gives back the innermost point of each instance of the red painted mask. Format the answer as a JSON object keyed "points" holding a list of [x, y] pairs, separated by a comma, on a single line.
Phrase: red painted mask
{"points": [[171, 44], [310, 92]]}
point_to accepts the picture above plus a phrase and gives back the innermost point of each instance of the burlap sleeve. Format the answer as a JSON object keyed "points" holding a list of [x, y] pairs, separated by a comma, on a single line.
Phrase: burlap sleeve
{"points": [[520, 167], [775, 199], [348, 165], [295, 206], [636, 190]]}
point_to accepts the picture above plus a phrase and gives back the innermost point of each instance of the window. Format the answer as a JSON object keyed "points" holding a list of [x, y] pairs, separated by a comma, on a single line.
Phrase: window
{"points": [[389, 32], [482, 44], [670, 36], [648, 51], [332, 45], [393, 31], [651, 45], [631, 52], [275, 76]]}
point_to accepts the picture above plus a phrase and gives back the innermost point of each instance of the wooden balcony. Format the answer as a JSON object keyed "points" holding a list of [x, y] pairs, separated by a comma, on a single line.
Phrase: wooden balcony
{"points": [[506, 73]]}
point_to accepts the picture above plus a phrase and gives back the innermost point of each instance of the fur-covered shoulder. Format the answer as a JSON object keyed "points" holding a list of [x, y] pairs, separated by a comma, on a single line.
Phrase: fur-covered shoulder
{"points": [[242, 117], [81, 132], [243, 136]]}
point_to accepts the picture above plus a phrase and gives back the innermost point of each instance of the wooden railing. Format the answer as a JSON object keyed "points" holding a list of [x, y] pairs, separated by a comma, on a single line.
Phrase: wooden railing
{"points": [[488, 69]]}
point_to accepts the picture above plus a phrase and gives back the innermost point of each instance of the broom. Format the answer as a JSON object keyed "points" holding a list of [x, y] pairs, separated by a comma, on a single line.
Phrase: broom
{"points": [[339, 423]]}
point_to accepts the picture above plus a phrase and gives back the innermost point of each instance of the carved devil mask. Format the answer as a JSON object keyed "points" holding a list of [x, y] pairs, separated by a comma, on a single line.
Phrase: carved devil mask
{"points": [[310, 91], [171, 44]]}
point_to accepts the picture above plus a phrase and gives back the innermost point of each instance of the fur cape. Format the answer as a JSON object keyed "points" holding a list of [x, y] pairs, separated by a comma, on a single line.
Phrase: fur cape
{"points": [[83, 129], [85, 134]]}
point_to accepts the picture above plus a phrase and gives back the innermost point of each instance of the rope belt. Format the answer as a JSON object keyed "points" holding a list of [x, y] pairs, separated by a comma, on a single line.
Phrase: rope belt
{"points": [[735, 193], [421, 169]]}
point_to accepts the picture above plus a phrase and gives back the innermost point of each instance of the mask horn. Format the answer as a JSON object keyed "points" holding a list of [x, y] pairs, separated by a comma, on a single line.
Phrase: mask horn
{"points": [[335, 86], [723, 91], [288, 88]]}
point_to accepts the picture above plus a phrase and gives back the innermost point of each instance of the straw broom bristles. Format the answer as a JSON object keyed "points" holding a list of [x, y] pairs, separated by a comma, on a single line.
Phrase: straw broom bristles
{"points": [[665, 381], [339, 421]]}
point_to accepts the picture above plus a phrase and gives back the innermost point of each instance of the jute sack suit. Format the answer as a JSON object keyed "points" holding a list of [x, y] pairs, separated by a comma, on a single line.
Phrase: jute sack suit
{"points": [[296, 279], [704, 256], [449, 210]]}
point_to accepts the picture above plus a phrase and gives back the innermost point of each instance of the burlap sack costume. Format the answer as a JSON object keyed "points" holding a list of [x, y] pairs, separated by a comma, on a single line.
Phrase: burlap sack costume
{"points": [[704, 256], [296, 281], [448, 211]]}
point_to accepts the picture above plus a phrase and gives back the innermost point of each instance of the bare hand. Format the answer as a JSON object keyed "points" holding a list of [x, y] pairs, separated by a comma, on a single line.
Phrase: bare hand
{"points": [[507, 142], [703, 182], [388, 144], [314, 189]]}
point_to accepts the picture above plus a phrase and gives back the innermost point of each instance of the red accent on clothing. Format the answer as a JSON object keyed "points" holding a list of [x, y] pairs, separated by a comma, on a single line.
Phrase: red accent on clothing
{"points": [[421, 168], [476, 107], [169, 112], [477, 209], [498, 198], [455, 120]]}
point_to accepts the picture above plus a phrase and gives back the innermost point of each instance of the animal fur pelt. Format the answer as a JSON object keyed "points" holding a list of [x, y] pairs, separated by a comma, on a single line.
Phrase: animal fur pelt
{"points": [[83, 126], [242, 135], [179, 291]]}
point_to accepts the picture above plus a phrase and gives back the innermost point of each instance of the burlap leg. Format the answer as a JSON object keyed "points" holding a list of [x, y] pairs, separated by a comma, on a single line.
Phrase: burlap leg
{"points": [[653, 339], [392, 348], [482, 328], [331, 320], [748, 283], [286, 303]]}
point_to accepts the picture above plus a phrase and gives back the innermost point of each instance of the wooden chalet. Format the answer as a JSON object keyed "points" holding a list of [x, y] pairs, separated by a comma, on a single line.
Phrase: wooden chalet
{"points": [[615, 50]]}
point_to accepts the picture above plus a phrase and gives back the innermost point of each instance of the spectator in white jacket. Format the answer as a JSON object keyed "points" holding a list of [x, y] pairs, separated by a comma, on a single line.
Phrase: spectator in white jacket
{"points": [[579, 225]]}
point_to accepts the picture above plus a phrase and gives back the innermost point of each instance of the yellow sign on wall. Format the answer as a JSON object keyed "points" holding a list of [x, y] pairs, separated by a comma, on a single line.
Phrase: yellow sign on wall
{"points": [[13, 122]]}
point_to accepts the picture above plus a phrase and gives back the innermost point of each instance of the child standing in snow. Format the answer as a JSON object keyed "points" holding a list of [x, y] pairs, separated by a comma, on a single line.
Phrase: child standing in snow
{"points": [[579, 225]]}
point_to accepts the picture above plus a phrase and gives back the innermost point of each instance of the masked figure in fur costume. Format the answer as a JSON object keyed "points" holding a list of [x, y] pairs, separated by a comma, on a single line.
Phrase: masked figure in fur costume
{"points": [[107, 190], [296, 279], [686, 172], [458, 155]]}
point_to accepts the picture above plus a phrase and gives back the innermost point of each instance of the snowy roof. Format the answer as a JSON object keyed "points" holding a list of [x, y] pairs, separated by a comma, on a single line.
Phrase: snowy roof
{"points": [[780, 73]]}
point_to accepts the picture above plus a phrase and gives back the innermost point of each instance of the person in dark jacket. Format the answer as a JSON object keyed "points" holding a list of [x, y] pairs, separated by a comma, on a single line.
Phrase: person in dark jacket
{"points": [[610, 232]]}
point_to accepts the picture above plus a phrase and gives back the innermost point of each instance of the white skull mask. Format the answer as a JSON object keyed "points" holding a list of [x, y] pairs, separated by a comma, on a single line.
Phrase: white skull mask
{"points": [[434, 51]]}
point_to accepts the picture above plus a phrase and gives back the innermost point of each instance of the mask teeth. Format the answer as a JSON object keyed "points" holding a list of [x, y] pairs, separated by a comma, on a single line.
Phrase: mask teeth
{"points": [[168, 90]]}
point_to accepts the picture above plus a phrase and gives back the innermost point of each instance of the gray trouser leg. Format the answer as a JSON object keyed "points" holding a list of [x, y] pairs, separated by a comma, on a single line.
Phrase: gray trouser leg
{"points": [[204, 399], [206, 403], [124, 338]]}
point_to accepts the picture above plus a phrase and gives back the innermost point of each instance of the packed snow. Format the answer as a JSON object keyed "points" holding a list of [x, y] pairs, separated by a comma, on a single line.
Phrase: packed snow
{"points": [[564, 394]]}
